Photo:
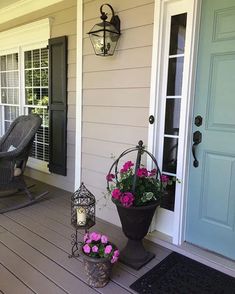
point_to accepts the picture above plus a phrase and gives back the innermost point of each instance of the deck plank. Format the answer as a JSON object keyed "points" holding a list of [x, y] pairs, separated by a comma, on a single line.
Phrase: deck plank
{"points": [[52, 243], [46, 266], [9, 283], [26, 273]]}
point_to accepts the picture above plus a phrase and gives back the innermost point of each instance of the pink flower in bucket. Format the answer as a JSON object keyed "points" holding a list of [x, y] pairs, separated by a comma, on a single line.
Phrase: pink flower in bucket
{"points": [[98, 246]]}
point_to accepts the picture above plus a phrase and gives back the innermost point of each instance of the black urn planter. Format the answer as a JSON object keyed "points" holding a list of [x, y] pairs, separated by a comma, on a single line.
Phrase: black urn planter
{"points": [[135, 224]]}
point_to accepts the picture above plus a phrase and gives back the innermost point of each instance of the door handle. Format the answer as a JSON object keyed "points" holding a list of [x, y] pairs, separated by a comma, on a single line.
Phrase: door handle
{"points": [[197, 138]]}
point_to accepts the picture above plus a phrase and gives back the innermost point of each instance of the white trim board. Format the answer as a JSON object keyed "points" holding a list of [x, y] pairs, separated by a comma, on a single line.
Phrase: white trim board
{"points": [[163, 10], [23, 7], [78, 142], [25, 35]]}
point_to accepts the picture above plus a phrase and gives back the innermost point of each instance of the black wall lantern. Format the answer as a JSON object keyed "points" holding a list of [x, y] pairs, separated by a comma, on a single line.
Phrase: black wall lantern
{"points": [[104, 36]]}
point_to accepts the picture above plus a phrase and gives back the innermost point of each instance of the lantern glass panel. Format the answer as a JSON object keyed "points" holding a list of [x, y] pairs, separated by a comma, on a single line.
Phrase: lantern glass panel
{"points": [[104, 38]]}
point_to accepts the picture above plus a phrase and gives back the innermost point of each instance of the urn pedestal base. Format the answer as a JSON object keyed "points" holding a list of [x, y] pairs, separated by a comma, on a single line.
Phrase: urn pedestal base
{"points": [[135, 255], [135, 224]]}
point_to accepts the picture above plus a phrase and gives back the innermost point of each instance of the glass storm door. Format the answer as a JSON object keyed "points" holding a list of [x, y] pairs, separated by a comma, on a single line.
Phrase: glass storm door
{"points": [[171, 112], [211, 198]]}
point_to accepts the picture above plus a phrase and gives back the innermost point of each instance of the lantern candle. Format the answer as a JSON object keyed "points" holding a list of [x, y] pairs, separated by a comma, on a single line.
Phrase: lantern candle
{"points": [[81, 216]]}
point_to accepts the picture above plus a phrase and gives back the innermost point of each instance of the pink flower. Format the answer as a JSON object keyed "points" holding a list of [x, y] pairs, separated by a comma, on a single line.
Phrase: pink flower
{"points": [[104, 239], [108, 249], [164, 178], [95, 236], [142, 172], [86, 237], [95, 249], [88, 241], [127, 199], [116, 193], [116, 253], [110, 177], [126, 166], [86, 248], [114, 259], [152, 172]]}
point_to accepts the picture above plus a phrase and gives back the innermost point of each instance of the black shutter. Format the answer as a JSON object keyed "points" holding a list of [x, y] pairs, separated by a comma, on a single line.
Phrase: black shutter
{"points": [[58, 105]]}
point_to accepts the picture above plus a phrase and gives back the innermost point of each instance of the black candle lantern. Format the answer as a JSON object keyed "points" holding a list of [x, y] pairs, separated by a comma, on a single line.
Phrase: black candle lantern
{"points": [[82, 213], [104, 36]]}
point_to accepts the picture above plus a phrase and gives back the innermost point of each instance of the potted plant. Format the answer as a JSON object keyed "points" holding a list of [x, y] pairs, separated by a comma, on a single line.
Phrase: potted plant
{"points": [[136, 192], [99, 254]]}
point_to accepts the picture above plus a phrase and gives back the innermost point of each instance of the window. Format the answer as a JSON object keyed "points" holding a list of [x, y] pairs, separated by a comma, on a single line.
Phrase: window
{"points": [[173, 103], [24, 82], [9, 83], [36, 97], [26, 72]]}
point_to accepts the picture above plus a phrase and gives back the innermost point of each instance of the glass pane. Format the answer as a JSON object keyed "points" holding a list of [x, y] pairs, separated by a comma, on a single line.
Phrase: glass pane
{"points": [[29, 96], [7, 114], [36, 77], [46, 130], [32, 154], [7, 125], [16, 79], [170, 155], [9, 62], [28, 78], [175, 75], [168, 199], [36, 58], [178, 30], [10, 96], [36, 96], [14, 112], [44, 57], [172, 118], [3, 63], [40, 146], [11, 112], [3, 79], [16, 96], [44, 77], [15, 61], [45, 95], [28, 59], [4, 96]]}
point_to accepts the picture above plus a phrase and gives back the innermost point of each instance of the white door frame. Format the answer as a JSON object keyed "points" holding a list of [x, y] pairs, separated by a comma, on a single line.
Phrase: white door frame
{"points": [[78, 134], [193, 21]]}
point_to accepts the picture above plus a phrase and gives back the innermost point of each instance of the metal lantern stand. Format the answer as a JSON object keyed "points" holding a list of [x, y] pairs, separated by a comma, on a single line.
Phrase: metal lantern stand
{"points": [[82, 215]]}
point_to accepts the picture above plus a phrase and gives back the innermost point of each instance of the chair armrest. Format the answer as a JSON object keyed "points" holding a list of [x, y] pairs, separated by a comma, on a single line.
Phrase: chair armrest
{"points": [[8, 155]]}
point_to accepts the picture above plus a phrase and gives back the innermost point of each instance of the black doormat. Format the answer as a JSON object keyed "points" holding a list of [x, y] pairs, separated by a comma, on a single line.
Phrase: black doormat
{"points": [[177, 274]]}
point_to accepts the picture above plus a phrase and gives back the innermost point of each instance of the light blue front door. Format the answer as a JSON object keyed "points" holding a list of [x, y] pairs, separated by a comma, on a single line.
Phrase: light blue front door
{"points": [[211, 197]]}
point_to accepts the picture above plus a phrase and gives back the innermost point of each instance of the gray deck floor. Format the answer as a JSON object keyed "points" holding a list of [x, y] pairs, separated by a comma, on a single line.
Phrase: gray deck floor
{"points": [[34, 245]]}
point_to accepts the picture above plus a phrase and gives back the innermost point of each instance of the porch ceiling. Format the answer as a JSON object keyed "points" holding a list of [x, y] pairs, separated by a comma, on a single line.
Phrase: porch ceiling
{"points": [[4, 3]]}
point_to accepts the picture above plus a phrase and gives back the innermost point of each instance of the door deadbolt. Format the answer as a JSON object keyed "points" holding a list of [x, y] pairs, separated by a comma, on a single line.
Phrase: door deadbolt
{"points": [[198, 121], [151, 119]]}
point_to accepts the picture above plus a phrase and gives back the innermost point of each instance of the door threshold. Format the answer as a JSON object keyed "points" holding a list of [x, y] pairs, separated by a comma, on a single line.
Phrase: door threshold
{"points": [[199, 254]]}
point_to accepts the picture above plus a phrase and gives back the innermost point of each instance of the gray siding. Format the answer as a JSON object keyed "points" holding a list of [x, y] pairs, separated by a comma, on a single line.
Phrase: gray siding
{"points": [[115, 94], [63, 22]]}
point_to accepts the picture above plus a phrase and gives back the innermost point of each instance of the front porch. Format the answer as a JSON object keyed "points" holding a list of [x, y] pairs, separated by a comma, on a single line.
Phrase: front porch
{"points": [[35, 243]]}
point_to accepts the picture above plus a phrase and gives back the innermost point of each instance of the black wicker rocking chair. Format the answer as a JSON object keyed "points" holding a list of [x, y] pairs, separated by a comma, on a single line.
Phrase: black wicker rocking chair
{"points": [[15, 147]]}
